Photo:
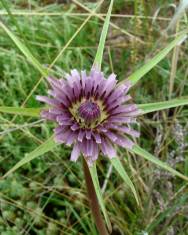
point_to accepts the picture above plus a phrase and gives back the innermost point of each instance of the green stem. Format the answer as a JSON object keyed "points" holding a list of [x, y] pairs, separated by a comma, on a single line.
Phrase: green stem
{"points": [[95, 209]]}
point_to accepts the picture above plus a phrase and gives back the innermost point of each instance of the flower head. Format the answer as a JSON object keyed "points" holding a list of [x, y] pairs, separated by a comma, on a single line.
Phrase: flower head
{"points": [[92, 113]]}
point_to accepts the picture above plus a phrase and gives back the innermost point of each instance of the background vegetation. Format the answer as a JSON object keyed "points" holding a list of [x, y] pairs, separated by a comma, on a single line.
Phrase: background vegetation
{"points": [[48, 195]]}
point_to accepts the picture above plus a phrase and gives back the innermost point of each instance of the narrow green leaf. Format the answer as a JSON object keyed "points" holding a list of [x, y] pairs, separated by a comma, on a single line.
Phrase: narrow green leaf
{"points": [[40, 150], [138, 74], [120, 169], [152, 107], [143, 153], [32, 112], [100, 50], [25, 50], [94, 176]]}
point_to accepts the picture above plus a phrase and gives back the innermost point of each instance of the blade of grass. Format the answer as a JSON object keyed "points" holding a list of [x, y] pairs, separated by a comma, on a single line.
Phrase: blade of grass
{"points": [[6, 6], [174, 63], [143, 153], [120, 169], [138, 74], [100, 50], [94, 176], [152, 107], [40, 150], [32, 112], [25, 50]]}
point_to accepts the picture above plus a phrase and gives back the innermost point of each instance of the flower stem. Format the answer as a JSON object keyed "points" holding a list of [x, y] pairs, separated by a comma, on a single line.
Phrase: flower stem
{"points": [[94, 201]]}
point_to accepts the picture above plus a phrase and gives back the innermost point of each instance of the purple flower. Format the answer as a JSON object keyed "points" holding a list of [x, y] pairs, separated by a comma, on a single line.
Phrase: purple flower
{"points": [[92, 113]]}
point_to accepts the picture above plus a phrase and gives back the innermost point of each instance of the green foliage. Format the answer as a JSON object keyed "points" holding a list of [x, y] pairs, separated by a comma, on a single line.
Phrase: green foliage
{"points": [[118, 166], [100, 48], [47, 195], [153, 107], [94, 176], [31, 112]]}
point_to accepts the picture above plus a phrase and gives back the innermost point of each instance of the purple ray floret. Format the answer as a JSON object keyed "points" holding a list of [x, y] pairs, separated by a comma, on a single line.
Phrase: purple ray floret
{"points": [[92, 113]]}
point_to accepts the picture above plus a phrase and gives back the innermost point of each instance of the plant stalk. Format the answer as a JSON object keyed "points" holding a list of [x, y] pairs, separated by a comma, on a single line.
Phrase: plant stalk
{"points": [[95, 209]]}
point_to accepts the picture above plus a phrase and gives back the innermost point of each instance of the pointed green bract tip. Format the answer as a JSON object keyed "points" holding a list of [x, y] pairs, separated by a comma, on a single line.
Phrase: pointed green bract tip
{"points": [[100, 50]]}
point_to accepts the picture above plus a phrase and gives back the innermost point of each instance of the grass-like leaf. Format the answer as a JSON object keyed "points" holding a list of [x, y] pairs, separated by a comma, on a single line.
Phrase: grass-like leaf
{"points": [[138, 74], [143, 153], [100, 49], [31, 112], [40, 150], [94, 176], [152, 107], [120, 169], [25, 50]]}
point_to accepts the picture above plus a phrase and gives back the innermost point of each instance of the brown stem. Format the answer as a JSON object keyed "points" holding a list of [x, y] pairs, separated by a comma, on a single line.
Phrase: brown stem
{"points": [[94, 201]]}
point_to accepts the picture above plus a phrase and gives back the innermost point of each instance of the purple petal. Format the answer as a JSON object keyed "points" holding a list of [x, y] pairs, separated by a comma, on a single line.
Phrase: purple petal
{"points": [[48, 100], [75, 74], [62, 137], [95, 151], [102, 129], [88, 87], [133, 113], [127, 86], [77, 90], [117, 93], [70, 80], [55, 83], [111, 151], [124, 142], [60, 130], [56, 111], [121, 119], [81, 135], [130, 131], [115, 103], [107, 148], [103, 146], [97, 138], [126, 130], [84, 78], [83, 147], [68, 91], [88, 134], [110, 84], [70, 139], [97, 80], [64, 120], [47, 115], [111, 136], [99, 91], [124, 109], [75, 153], [60, 97], [89, 148], [75, 127]]}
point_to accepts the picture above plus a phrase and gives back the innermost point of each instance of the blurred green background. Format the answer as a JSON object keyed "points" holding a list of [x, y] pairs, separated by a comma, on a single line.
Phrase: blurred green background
{"points": [[48, 195]]}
